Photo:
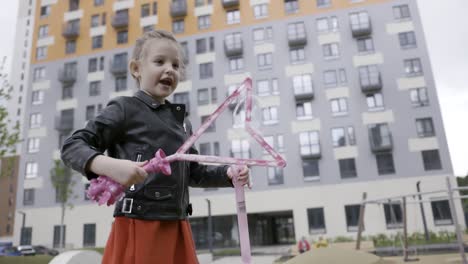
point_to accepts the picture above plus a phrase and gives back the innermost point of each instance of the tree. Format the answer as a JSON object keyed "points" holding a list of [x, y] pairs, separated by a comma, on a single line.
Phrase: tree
{"points": [[9, 136], [62, 181], [463, 182]]}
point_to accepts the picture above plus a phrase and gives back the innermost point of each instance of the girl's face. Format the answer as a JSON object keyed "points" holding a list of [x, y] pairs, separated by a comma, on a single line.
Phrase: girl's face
{"points": [[158, 70]]}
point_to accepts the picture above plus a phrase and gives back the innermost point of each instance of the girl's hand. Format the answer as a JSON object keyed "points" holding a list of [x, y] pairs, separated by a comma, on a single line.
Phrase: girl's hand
{"points": [[244, 177], [125, 172]]}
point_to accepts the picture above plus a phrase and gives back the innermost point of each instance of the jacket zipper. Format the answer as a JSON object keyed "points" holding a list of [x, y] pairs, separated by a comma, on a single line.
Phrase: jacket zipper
{"points": [[138, 159]]}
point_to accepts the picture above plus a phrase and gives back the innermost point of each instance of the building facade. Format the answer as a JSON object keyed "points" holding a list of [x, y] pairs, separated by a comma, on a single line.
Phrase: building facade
{"points": [[344, 90]]}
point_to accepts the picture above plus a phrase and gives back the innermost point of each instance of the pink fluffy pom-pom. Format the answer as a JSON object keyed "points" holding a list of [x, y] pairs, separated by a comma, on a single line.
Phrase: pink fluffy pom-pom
{"points": [[105, 190]]}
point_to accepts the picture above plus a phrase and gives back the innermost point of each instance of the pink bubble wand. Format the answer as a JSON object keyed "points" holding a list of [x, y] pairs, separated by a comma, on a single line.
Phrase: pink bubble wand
{"points": [[104, 190]]}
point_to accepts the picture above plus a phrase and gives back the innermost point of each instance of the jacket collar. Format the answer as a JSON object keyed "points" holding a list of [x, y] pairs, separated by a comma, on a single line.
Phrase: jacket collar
{"points": [[148, 100]]}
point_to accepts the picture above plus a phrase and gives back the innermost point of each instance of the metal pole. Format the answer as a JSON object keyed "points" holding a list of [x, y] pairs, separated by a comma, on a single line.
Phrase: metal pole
{"points": [[455, 222], [22, 227], [405, 231], [423, 215], [210, 227], [361, 221]]}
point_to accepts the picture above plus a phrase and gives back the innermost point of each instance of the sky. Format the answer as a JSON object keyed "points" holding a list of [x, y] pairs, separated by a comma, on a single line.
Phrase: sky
{"points": [[446, 31]]}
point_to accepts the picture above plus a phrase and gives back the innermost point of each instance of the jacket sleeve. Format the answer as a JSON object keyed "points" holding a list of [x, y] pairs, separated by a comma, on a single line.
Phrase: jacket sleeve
{"points": [[98, 135], [207, 176]]}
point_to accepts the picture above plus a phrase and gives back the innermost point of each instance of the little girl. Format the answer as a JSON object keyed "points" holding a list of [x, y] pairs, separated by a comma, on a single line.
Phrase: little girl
{"points": [[151, 223]]}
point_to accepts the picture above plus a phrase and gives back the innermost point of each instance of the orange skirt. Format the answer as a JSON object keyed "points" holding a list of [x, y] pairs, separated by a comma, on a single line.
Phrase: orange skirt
{"points": [[134, 241]]}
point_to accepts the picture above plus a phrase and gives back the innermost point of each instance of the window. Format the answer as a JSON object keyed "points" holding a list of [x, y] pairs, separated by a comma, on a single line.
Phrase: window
{"points": [[70, 46], [206, 70], [385, 163], [122, 37], [96, 42], [393, 215], [304, 110], [302, 84], [35, 120], [291, 6], [407, 40], [260, 11], [339, 106], [425, 127], [380, 135], [33, 145], [205, 94], [236, 64], [37, 97], [120, 83], [330, 78], [309, 143], [262, 34], [26, 236], [277, 144], [155, 8], [264, 60], [418, 97], [431, 160], [57, 231], [98, 2], [205, 149], [240, 148], [28, 197], [327, 24], [233, 17], [95, 88], [331, 51], [275, 175], [95, 19], [352, 217], [73, 5], [212, 127], [413, 67], [45, 11], [239, 119], [67, 92], [264, 88], [145, 10], [297, 55], [342, 76], [90, 110], [43, 31], [343, 136], [31, 170], [270, 115], [86, 187], [316, 219], [369, 76], [347, 168], [93, 65], [178, 26], [375, 102], [204, 22], [182, 98], [323, 3], [441, 213], [204, 45], [359, 21], [310, 169], [39, 74], [401, 12], [365, 45], [89, 235], [296, 31], [148, 28], [41, 53]]}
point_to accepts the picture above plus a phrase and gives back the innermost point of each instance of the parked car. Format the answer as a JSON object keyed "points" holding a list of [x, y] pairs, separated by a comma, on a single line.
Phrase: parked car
{"points": [[9, 251], [27, 250], [45, 250]]}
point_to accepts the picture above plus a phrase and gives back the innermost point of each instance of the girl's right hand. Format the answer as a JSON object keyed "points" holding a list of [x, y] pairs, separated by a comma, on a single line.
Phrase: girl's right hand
{"points": [[127, 172]]}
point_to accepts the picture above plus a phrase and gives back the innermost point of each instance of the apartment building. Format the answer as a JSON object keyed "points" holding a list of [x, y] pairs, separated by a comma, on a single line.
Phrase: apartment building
{"points": [[344, 92]]}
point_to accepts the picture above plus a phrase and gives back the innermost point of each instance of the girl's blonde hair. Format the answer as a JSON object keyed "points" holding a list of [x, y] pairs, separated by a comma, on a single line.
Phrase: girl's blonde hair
{"points": [[139, 49]]}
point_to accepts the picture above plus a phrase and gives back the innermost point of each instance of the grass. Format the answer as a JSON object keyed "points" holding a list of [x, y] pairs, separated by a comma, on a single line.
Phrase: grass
{"points": [[39, 259]]}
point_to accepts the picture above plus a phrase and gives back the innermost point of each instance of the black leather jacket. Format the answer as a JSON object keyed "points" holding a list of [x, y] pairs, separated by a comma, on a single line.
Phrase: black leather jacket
{"points": [[134, 128]]}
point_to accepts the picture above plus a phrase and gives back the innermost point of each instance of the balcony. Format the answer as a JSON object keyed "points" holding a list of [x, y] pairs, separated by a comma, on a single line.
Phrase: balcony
{"points": [[380, 138], [64, 123], [233, 46], [179, 8], [310, 151], [230, 3], [71, 30], [118, 67], [304, 94], [372, 84], [120, 19], [361, 25], [67, 75], [299, 39]]}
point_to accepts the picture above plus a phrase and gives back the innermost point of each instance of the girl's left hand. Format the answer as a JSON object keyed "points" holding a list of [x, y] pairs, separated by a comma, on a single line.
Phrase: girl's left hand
{"points": [[244, 176]]}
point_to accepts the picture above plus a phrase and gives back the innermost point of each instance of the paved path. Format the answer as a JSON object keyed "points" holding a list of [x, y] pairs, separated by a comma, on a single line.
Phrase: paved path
{"points": [[255, 259]]}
